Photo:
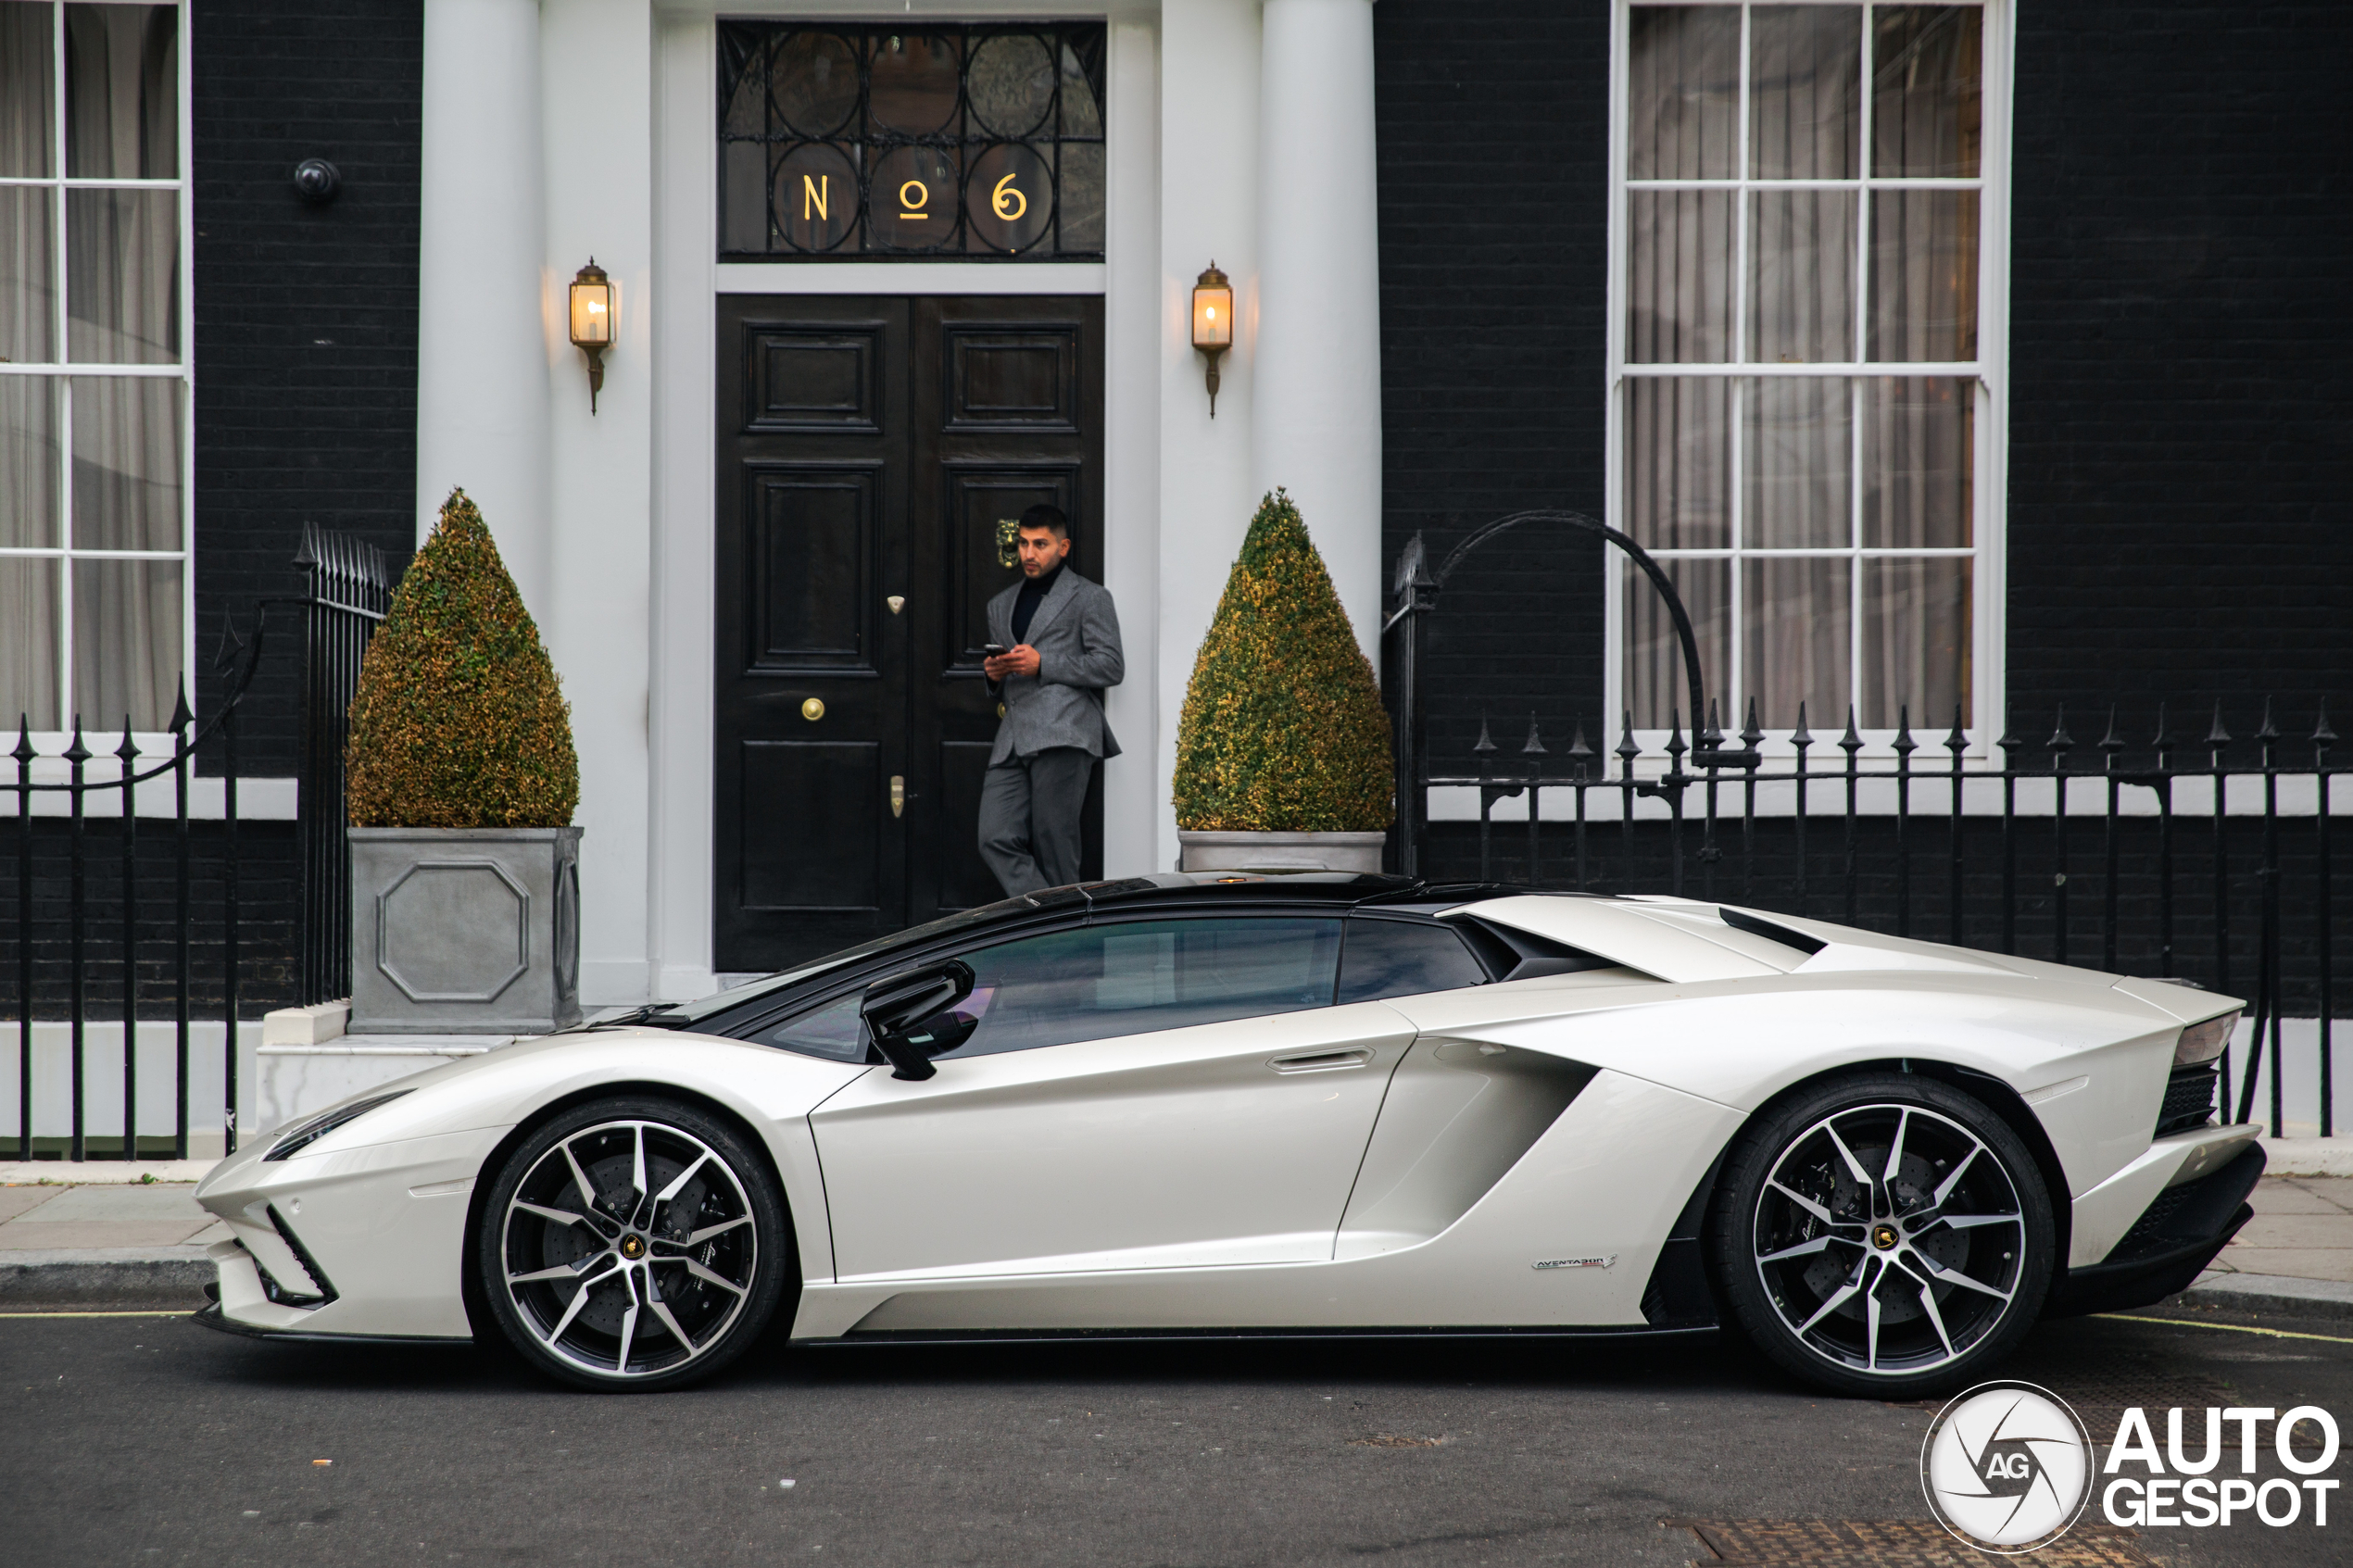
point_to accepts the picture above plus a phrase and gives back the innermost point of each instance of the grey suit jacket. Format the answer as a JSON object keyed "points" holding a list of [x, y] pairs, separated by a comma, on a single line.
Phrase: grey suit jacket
{"points": [[1076, 632]]}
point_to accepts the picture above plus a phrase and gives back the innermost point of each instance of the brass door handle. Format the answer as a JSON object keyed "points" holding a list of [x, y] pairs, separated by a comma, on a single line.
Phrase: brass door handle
{"points": [[898, 794]]}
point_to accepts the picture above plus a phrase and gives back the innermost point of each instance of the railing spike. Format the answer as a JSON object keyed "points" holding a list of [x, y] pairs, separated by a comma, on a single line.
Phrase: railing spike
{"points": [[1535, 747], [1801, 737], [2218, 736], [128, 750], [180, 715], [1627, 748], [1485, 742], [1957, 742], [1576, 747], [2270, 732], [1852, 741], [1905, 744], [1675, 746], [77, 752], [24, 754], [2322, 733], [2161, 740], [1751, 735], [1713, 736], [2111, 741], [2060, 740]]}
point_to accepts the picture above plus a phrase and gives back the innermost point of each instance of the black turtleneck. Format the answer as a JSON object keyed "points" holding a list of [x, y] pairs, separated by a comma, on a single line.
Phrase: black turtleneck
{"points": [[1033, 593]]}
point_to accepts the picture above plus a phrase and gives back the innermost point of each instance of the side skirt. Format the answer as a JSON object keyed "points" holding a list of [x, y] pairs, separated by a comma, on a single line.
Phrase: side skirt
{"points": [[1231, 1335]]}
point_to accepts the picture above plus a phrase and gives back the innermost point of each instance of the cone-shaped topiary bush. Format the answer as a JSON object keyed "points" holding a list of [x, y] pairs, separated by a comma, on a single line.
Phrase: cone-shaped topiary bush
{"points": [[458, 721], [1283, 729]]}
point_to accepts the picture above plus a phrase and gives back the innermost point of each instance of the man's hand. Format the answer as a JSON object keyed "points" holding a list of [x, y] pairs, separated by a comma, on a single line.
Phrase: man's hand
{"points": [[1020, 660]]}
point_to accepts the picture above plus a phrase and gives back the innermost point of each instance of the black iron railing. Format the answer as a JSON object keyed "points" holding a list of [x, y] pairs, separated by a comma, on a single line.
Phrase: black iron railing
{"points": [[2187, 856], [348, 586]]}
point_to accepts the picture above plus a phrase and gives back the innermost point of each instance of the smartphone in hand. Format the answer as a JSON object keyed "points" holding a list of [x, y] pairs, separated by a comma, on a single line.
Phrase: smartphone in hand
{"points": [[994, 650]]}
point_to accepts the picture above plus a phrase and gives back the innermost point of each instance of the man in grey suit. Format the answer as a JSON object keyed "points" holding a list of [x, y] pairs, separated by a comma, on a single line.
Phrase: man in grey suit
{"points": [[1060, 637]]}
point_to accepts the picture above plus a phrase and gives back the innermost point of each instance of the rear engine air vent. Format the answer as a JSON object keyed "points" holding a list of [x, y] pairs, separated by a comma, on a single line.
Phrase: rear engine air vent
{"points": [[2189, 1099]]}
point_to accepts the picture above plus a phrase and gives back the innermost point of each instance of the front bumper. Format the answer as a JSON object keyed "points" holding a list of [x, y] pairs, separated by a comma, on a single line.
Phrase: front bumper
{"points": [[2169, 1245]]}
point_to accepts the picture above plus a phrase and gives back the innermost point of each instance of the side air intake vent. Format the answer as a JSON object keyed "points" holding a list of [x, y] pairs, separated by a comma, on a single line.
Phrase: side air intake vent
{"points": [[1510, 954], [1809, 946]]}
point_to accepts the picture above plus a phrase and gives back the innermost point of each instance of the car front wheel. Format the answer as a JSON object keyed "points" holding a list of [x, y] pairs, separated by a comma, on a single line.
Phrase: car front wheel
{"points": [[634, 1243], [1883, 1235]]}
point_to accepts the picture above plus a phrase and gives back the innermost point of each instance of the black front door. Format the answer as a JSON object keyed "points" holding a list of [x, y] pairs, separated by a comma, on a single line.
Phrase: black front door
{"points": [[871, 452]]}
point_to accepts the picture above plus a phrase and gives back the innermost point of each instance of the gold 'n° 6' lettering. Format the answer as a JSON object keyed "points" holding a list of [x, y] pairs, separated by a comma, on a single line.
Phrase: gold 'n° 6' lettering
{"points": [[914, 196], [1007, 192]]}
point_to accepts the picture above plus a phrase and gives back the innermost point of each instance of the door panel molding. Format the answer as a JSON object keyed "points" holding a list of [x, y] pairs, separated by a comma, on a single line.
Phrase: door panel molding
{"points": [[824, 582]]}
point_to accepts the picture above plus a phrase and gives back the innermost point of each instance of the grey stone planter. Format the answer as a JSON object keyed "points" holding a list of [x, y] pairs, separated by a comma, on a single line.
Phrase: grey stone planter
{"points": [[464, 931], [1280, 851]]}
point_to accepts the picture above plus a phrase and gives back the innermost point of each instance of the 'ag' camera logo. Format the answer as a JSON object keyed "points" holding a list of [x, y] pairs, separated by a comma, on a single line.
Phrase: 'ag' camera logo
{"points": [[2007, 1467]]}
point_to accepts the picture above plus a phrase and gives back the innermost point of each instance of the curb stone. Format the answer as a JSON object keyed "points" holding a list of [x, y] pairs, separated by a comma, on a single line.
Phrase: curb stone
{"points": [[2273, 1293], [106, 1276]]}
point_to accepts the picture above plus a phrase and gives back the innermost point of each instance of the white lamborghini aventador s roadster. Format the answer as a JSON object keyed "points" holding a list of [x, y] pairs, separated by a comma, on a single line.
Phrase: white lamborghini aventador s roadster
{"points": [[1283, 1105]]}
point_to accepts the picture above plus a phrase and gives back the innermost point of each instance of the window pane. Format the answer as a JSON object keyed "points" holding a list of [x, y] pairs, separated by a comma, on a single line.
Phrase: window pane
{"points": [[1923, 275], [126, 463], [1678, 286], [1682, 91], [28, 81], [1926, 98], [1796, 619], [1916, 640], [28, 288], [1797, 445], [29, 642], [1919, 462], [122, 91], [123, 264], [126, 642], [835, 1030], [1656, 684], [1678, 464], [1804, 91], [28, 463], [1132, 979], [1801, 276], [1388, 958]]}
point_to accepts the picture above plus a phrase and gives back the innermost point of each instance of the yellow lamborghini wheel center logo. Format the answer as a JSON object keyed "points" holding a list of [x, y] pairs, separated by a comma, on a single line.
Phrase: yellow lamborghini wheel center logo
{"points": [[1883, 1237], [633, 1246]]}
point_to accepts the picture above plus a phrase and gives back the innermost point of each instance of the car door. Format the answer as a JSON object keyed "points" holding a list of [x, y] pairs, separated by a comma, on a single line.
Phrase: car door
{"points": [[1142, 1094]]}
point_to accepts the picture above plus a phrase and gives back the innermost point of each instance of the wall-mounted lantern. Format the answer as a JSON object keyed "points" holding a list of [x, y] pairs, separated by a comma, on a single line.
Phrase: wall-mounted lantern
{"points": [[592, 323], [1213, 322]]}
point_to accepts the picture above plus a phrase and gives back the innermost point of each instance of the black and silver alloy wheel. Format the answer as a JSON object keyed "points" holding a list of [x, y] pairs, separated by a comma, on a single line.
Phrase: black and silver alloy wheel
{"points": [[627, 1244], [1884, 1233]]}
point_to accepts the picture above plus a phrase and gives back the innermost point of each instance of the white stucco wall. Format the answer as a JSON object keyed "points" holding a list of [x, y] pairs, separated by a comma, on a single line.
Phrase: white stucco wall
{"points": [[600, 140]]}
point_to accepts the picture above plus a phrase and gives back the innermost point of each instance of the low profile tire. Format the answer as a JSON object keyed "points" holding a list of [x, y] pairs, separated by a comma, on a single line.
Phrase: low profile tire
{"points": [[634, 1243], [1882, 1234]]}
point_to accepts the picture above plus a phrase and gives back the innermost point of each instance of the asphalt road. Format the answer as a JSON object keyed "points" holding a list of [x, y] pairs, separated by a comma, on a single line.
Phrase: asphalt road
{"points": [[152, 1441]]}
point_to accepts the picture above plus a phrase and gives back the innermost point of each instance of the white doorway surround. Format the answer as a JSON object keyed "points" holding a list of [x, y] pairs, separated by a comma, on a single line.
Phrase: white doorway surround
{"points": [[602, 142]]}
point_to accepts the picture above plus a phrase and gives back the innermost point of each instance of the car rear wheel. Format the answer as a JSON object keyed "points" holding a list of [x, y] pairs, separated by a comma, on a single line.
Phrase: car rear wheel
{"points": [[634, 1243], [1882, 1234]]}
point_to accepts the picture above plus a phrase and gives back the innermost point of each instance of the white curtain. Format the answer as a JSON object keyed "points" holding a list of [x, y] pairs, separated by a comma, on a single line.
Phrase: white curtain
{"points": [[122, 259], [28, 417], [1796, 616]]}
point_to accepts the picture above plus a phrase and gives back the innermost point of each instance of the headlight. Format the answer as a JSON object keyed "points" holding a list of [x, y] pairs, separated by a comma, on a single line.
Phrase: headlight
{"points": [[326, 1122], [2204, 1042]]}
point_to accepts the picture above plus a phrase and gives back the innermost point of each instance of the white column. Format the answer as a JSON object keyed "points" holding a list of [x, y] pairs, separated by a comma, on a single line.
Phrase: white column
{"points": [[1317, 409], [1133, 802], [482, 355]]}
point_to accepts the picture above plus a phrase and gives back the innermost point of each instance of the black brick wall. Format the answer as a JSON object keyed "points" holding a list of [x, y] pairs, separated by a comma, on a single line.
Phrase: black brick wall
{"points": [[2180, 428], [1494, 167], [305, 332]]}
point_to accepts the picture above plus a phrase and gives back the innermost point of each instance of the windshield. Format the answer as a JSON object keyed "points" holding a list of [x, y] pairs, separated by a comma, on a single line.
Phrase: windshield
{"points": [[720, 1001]]}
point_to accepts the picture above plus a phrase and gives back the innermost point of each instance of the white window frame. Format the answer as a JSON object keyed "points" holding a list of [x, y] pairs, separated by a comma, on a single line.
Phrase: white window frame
{"points": [[1989, 526], [66, 370]]}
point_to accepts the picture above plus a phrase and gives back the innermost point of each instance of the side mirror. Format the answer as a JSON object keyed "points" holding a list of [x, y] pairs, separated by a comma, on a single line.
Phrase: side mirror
{"points": [[897, 1010]]}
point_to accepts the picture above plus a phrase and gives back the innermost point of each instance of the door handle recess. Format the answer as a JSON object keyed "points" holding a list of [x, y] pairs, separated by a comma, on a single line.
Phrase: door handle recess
{"points": [[1321, 1061]]}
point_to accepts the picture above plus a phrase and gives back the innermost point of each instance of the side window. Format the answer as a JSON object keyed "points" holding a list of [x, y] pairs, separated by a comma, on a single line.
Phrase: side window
{"points": [[833, 1032], [1137, 977], [1390, 958]]}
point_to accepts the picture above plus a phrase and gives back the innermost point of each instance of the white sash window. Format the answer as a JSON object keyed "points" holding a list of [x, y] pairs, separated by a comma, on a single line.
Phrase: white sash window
{"points": [[94, 405], [1805, 359]]}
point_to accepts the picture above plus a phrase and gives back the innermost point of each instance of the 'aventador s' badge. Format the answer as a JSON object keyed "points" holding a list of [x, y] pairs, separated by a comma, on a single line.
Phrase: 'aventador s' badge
{"points": [[1576, 1262]]}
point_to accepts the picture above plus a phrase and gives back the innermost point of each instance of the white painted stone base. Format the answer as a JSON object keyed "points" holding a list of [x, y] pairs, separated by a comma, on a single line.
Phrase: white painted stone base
{"points": [[297, 1080], [1280, 851]]}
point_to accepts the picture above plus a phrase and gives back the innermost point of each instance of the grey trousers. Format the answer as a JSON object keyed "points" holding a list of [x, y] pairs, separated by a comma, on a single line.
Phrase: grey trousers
{"points": [[1029, 818]]}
